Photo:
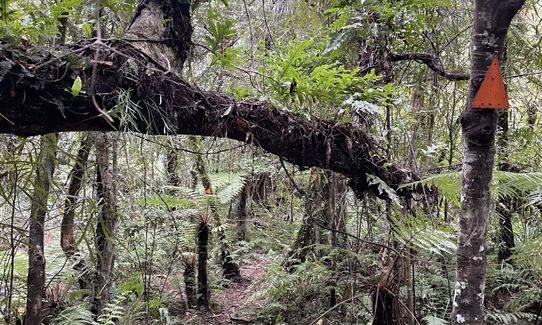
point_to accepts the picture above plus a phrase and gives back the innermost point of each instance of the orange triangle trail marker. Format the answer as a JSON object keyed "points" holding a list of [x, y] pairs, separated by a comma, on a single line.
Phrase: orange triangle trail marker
{"points": [[492, 92]]}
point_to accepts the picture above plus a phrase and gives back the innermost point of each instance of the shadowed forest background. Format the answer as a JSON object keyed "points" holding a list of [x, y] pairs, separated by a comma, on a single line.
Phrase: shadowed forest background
{"points": [[268, 162]]}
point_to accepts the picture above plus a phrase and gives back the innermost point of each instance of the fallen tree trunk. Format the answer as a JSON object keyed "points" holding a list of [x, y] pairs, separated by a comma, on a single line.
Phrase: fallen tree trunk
{"points": [[141, 96]]}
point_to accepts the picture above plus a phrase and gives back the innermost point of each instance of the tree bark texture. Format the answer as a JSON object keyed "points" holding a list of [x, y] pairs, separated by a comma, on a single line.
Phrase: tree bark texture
{"points": [[230, 269], [67, 230], [242, 213], [36, 258], [34, 101], [491, 23], [203, 255], [105, 225], [189, 274], [67, 234], [171, 168]]}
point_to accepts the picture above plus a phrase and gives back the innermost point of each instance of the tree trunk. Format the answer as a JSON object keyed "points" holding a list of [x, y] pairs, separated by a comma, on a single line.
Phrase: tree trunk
{"points": [[505, 206], [189, 274], [36, 258], [203, 243], [307, 233], [262, 188], [67, 232], [242, 214], [105, 225], [230, 269], [171, 168], [491, 22]]}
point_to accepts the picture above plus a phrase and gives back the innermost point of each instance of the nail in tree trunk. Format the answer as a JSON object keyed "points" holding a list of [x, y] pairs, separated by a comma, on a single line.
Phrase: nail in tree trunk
{"points": [[67, 230], [491, 21], [203, 243], [36, 258], [106, 223]]}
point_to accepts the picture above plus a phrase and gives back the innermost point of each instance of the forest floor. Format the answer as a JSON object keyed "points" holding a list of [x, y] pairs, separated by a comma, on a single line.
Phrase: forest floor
{"points": [[236, 304]]}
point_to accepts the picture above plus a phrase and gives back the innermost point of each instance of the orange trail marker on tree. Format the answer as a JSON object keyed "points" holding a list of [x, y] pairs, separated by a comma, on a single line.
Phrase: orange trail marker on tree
{"points": [[492, 92]]}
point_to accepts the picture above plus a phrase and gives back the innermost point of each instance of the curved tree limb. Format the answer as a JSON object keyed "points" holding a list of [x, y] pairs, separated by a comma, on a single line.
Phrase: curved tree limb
{"points": [[432, 62]]}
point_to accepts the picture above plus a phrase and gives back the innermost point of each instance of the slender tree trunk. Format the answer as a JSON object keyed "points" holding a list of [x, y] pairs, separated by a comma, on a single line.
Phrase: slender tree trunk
{"points": [[67, 232], [306, 235], [335, 210], [106, 223], [242, 214], [491, 22], [171, 168], [36, 258], [505, 206], [262, 187]]}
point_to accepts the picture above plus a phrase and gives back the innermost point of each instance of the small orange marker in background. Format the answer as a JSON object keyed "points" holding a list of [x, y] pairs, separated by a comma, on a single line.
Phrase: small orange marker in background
{"points": [[492, 92], [209, 191]]}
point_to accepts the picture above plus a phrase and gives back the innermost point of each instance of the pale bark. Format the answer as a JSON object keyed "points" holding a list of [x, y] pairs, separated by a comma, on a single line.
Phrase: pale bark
{"points": [[491, 23]]}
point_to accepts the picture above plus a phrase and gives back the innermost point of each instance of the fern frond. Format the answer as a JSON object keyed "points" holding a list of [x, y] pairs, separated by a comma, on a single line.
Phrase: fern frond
{"points": [[449, 185], [76, 315], [508, 318], [420, 233]]}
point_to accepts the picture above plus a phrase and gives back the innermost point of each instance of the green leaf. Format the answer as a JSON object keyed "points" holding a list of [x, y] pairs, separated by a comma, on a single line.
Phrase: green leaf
{"points": [[76, 87], [87, 30]]}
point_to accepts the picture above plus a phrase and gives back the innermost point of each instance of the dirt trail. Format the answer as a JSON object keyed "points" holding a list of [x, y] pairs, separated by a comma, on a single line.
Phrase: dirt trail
{"points": [[235, 303]]}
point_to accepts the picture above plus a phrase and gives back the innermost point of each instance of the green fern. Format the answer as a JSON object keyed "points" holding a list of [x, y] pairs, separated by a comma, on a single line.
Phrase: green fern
{"points": [[113, 312], [434, 320], [421, 232], [508, 318], [449, 185], [508, 184], [504, 184], [76, 315]]}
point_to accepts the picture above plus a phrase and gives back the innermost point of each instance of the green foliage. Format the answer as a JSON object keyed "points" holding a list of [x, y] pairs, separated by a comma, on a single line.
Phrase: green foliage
{"points": [[76, 315], [221, 37], [76, 87], [528, 253], [300, 72], [133, 285], [509, 318], [289, 290], [434, 320], [504, 184], [113, 312], [421, 233]]}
